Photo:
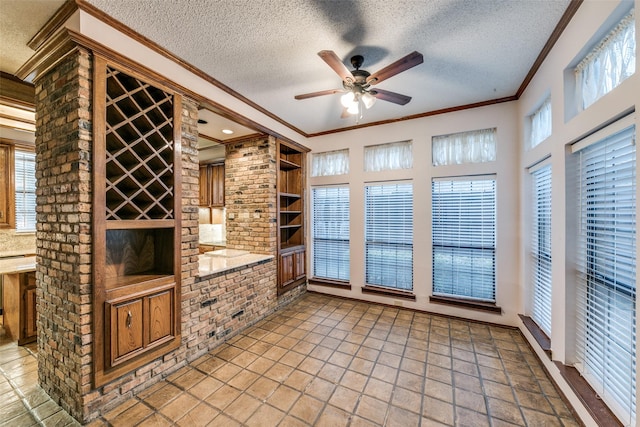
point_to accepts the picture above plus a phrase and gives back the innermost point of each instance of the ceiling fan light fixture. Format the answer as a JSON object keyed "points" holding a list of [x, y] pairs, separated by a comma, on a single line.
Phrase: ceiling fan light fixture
{"points": [[354, 108], [347, 99], [368, 100]]}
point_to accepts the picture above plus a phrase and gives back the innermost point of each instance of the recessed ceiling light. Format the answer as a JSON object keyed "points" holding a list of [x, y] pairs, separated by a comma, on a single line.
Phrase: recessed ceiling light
{"points": [[227, 131]]}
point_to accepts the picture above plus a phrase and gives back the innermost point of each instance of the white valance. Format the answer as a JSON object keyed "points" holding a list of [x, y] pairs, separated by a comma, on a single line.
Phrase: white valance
{"points": [[540, 124], [476, 146], [391, 156], [330, 163]]}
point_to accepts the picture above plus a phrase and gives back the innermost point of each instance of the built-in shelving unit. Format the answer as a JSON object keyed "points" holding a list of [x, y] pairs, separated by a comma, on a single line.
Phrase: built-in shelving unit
{"points": [[291, 220], [137, 221]]}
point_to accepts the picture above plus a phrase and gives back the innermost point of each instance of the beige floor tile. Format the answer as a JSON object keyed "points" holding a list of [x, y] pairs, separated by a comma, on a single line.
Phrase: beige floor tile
{"points": [[438, 410], [262, 388], [468, 418], [344, 398], [265, 415], [379, 389], [298, 380], [200, 415], [243, 407], [399, 417], [283, 398], [505, 411], [332, 417], [222, 397], [307, 409], [205, 387], [179, 406], [372, 409]]}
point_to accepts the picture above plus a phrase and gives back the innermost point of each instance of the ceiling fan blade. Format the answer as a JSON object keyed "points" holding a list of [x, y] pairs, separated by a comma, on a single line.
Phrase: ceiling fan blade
{"points": [[336, 64], [345, 114], [386, 95], [399, 66], [320, 93]]}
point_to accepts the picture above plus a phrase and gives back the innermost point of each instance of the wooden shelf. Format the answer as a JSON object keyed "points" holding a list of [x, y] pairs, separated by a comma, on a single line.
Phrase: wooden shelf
{"points": [[291, 226], [290, 195], [287, 165], [291, 212]]}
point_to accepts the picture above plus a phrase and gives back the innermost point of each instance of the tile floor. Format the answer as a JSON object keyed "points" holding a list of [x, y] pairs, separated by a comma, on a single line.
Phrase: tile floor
{"points": [[329, 362]]}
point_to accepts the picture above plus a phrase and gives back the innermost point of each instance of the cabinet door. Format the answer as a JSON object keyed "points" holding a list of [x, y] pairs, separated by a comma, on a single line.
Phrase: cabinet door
{"points": [[160, 323], [126, 328], [30, 313], [286, 269], [217, 185], [299, 264], [205, 188]]}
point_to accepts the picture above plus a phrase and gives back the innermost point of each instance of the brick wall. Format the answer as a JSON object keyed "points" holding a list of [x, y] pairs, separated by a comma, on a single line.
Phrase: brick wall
{"points": [[63, 246], [250, 195]]}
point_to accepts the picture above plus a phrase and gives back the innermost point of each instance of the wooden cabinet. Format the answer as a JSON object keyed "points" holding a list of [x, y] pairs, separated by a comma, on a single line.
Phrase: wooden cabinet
{"points": [[20, 315], [6, 187], [136, 220], [212, 185], [291, 218]]}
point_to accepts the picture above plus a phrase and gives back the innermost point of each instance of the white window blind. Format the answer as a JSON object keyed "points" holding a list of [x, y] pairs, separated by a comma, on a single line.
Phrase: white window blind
{"points": [[606, 271], [391, 156], [330, 163], [540, 257], [389, 235], [540, 124], [464, 236], [25, 187], [476, 146], [330, 230], [611, 62]]}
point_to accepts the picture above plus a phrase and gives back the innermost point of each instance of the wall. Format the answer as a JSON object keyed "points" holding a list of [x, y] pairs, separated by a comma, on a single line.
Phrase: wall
{"points": [[420, 131], [12, 242], [591, 22]]}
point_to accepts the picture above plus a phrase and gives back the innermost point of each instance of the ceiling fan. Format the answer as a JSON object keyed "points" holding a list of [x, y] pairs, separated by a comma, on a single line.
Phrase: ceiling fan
{"points": [[357, 83]]}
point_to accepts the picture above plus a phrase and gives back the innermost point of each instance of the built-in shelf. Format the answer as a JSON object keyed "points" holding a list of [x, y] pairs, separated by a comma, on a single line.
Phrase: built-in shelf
{"points": [[291, 248]]}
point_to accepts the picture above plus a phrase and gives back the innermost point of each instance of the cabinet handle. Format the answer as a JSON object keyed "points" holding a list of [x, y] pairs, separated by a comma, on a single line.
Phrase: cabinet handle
{"points": [[128, 321]]}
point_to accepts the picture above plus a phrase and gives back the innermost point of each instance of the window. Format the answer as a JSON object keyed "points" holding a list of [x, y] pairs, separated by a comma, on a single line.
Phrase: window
{"points": [[540, 257], [392, 156], [330, 232], [25, 187], [540, 122], [389, 235], [330, 163], [464, 236], [476, 146], [611, 62], [606, 271]]}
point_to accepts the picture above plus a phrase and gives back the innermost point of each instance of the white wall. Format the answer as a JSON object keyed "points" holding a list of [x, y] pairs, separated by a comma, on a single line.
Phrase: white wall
{"points": [[420, 131]]}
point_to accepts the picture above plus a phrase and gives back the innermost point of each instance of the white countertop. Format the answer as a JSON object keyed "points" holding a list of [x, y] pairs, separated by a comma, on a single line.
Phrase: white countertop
{"points": [[218, 264]]}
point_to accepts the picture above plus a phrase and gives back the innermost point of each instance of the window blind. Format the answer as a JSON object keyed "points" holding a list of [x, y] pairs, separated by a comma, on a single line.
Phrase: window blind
{"points": [[606, 271], [540, 257], [25, 188], [330, 232], [463, 224], [389, 235]]}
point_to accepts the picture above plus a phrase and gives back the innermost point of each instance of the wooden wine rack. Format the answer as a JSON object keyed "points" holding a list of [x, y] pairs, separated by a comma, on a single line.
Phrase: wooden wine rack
{"points": [[139, 149], [137, 220]]}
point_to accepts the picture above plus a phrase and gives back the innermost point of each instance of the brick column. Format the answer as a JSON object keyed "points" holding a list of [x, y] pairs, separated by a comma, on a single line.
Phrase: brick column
{"points": [[250, 195], [63, 236]]}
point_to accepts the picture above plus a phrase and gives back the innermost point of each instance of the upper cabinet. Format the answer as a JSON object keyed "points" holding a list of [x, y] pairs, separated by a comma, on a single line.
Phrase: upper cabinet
{"points": [[212, 185], [291, 216], [137, 220]]}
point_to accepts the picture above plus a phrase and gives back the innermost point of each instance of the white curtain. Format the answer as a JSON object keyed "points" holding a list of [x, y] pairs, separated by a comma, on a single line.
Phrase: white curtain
{"points": [[391, 156], [330, 163], [609, 63], [541, 124], [476, 146]]}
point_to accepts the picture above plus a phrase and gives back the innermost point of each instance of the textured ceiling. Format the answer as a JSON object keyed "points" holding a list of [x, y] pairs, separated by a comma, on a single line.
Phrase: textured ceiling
{"points": [[266, 50]]}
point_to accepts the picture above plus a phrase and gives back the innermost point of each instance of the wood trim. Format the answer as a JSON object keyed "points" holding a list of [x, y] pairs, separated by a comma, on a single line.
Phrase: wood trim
{"points": [[571, 10], [367, 289], [589, 398], [15, 92], [53, 24], [330, 283], [49, 54], [464, 303], [8, 168], [177, 216], [538, 334]]}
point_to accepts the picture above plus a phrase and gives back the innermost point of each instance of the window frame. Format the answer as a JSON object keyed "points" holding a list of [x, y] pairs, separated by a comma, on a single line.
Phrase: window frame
{"points": [[335, 280], [369, 266], [16, 217], [438, 294]]}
